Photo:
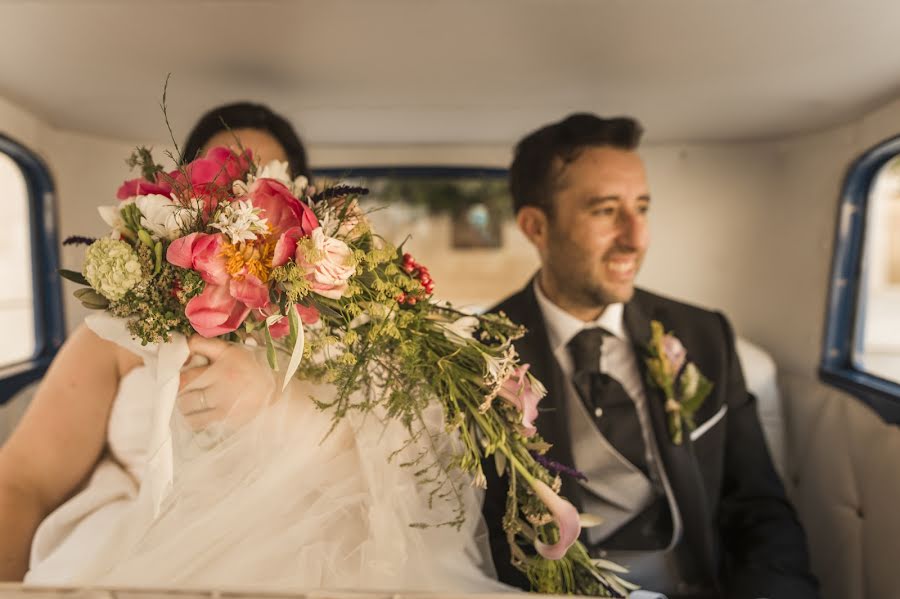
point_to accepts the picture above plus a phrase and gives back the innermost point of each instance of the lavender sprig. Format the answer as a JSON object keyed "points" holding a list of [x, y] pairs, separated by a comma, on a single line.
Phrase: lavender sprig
{"points": [[557, 467], [339, 191], [78, 240]]}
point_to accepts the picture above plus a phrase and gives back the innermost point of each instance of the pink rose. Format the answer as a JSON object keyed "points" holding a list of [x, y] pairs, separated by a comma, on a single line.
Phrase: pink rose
{"points": [[519, 390], [330, 274], [143, 187], [675, 354], [215, 311], [566, 517], [280, 208]]}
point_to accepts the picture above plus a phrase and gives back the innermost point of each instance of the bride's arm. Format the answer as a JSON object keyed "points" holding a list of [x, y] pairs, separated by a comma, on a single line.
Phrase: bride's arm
{"points": [[57, 444]]}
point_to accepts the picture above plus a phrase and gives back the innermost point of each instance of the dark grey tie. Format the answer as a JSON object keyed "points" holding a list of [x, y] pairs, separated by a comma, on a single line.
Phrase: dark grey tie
{"points": [[613, 410]]}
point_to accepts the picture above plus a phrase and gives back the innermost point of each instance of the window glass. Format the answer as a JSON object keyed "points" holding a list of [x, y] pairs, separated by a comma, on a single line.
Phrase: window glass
{"points": [[16, 292], [877, 348], [458, 223]]}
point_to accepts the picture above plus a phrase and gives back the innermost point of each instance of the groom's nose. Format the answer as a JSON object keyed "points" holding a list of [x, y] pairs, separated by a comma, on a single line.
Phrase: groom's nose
{"points": [[632, 230]]}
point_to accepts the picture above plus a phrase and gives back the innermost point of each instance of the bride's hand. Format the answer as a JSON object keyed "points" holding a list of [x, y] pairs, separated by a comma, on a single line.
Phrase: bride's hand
{"points": [[232, 388]]}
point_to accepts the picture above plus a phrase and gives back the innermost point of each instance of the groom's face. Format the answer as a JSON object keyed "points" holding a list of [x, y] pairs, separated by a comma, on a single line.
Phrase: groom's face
{"points": [[597, 232]]}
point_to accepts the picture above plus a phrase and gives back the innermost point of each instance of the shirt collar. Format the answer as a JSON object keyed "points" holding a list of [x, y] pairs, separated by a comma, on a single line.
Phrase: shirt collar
{"points": [[562, 326]]}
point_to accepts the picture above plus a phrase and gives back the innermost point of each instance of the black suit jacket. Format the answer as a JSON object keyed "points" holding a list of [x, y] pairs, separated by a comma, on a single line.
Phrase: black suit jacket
{"points": [[738, 523]]}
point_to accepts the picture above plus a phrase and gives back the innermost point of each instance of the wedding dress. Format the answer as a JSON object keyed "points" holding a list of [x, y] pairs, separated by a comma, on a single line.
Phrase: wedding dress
{"points": [[286, 501]]}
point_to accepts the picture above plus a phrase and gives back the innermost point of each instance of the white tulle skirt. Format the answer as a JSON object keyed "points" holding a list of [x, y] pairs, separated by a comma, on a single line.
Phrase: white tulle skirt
{"points": [[285, 502]]}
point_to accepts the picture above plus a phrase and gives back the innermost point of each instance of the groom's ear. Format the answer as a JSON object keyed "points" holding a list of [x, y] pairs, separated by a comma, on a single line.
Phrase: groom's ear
{"points": [[533, 223]]}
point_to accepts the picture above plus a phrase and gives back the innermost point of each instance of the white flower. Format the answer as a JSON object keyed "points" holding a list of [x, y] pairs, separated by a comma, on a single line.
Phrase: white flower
{"points": [[112, 215], [460, 330], [240, 221], [275, 169], [690, 380], [163, 217], [300, 185], [112, 268]]}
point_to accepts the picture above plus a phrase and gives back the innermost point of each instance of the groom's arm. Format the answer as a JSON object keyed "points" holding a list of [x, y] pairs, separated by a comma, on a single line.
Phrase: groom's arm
{"points": [[765, 546]]}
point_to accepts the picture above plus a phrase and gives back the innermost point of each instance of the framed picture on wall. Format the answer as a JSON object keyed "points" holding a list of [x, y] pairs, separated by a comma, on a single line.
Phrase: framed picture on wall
{"points": [[476, 225]]}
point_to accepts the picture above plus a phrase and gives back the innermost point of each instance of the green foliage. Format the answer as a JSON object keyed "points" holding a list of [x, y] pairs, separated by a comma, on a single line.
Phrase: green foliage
{"points": [[447, 195], [142, 158], [152, 311]]}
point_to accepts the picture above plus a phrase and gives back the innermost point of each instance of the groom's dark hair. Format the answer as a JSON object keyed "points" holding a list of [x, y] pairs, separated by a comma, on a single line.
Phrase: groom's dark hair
{"points": [[533, 173]]}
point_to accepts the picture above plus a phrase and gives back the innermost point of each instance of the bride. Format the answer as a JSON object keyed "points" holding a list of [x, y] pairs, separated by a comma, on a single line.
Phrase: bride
{"points": [[137, 466]]}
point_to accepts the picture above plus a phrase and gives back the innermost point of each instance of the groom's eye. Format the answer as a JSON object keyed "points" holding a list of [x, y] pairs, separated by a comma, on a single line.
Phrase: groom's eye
{"points": [[603, 207]]}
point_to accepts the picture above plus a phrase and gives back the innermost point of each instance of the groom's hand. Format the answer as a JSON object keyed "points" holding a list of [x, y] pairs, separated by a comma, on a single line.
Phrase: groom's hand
{"points": [[232, 386]]}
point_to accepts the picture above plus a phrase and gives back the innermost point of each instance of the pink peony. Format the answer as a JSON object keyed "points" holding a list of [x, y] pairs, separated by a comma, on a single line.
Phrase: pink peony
{"points": [[519, 390], [142, 187], [280, 208], [211, 177], [227, 300], [566, 517], [215, 311], [200, 252], [250, 291]]}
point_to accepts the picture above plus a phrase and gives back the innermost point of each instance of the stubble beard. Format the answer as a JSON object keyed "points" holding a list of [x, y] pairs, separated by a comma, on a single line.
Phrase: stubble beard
{"points": [[578, 285]]}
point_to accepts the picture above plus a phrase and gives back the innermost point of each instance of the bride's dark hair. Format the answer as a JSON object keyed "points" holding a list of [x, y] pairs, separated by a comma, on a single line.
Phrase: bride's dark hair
{"points": [[247, 115]]}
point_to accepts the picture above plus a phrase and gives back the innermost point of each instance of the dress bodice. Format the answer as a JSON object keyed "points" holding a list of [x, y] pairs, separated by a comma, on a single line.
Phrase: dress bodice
{"points": [[78, 527], [128, 429]]}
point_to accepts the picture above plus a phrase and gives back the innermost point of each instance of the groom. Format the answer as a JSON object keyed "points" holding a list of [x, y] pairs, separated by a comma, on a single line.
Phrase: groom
{"points": [[706, 517]]}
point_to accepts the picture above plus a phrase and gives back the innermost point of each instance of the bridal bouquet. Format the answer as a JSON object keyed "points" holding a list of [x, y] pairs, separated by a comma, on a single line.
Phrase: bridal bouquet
{"points": [[223, 247]]}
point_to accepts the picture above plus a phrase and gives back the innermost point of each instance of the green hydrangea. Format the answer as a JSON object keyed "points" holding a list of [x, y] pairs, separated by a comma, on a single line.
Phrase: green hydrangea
{"points": [[112, 267]]}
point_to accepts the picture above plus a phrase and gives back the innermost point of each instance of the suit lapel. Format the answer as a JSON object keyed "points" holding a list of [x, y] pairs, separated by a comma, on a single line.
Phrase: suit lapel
{"points": [[679, 460]]}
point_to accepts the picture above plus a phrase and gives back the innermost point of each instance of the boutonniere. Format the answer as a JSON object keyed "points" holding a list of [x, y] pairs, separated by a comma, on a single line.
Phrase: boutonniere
{"points": [[683, 384]]}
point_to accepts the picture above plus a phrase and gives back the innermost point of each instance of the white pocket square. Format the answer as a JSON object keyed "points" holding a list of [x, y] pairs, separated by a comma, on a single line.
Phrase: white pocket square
{"points": [[708, 423]]}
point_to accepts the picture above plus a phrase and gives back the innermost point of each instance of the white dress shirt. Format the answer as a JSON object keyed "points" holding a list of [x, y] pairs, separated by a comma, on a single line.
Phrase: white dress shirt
{"points": [[618, 360]]}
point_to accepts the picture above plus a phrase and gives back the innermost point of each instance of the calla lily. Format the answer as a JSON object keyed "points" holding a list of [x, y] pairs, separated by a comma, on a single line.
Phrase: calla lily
{"points": [[524, 393], [566, 517], [460, 329]]}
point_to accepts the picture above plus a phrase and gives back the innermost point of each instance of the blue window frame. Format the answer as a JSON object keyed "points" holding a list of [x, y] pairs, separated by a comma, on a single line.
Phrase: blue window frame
{"points": [[46, 288], [844, 361]]}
